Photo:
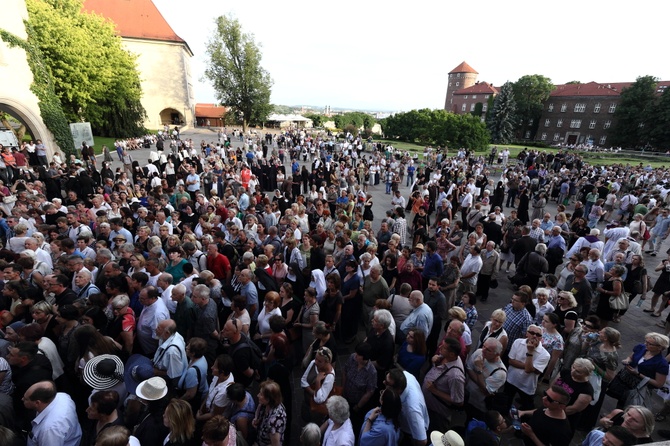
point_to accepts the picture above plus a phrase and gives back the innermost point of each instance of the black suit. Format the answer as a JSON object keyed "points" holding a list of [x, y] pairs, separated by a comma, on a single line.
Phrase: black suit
{"points": [[523, 246]]}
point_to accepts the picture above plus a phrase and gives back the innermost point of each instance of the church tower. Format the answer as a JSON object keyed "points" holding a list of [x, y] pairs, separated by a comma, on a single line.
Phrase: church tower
{"points": [[463, 76]]}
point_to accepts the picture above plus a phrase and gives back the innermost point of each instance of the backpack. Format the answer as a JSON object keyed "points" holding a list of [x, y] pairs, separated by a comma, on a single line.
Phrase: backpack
{"points": [[256, 353]]}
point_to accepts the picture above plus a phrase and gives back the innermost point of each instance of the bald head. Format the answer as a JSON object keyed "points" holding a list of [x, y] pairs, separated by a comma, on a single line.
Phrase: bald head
{"points": [[416, 298]]}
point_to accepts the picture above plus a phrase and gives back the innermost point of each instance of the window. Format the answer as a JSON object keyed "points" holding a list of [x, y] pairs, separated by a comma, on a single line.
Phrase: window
{"points": [[575, 123], [474, 96], [464, 107], [550, 108], [472, 107], [543, 137], [592, 124], [458, 83], [486, 96], [607, 124], [557, 136], [547, 122], [596, 108], [564, 107], [466, 96], [580, 108], [612, 108], [527, 135], [484, 107], [458, 74], [530, 122], [450, 84], [559, 123], [588, 138], [602, 140]]}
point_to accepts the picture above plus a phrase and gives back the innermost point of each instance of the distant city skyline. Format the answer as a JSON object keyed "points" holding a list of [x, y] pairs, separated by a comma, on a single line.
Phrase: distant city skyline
{"points": [[379, 56]]}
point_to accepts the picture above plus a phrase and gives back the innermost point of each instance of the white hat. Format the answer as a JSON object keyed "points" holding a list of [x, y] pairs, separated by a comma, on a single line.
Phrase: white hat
{"points": [[153, 389], [450, 438]]}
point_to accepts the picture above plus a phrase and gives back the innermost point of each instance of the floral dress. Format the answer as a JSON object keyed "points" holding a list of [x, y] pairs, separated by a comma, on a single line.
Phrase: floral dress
{"points": [[271, 421]]}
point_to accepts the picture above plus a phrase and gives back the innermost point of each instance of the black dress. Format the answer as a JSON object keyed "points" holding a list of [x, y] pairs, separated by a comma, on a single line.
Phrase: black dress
{"points": [[522, 210], [603, 310]]}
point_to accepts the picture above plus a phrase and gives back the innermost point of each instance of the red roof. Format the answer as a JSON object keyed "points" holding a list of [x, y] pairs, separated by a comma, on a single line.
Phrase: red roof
{"points": [[138, 19], [588, 89], [209, 110], [463, 68], [478, 88]]}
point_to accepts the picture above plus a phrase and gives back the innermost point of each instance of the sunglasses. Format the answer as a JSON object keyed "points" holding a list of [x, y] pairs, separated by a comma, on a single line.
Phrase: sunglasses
{"points": [[551, 400], [534, 333]]}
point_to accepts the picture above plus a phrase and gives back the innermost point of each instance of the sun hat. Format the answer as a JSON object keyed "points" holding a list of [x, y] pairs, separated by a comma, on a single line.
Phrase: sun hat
{"points": [[449, 438], [103, 372], [152, 389], [420, 246], [138, 368]]}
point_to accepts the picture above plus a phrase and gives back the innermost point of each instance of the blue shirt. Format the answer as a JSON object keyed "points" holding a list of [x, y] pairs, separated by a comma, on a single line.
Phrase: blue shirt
{"points": [[432, 267], [189, 378], [382, 433], [57, 424], [414, 418], [421, 318], [251, 293]]}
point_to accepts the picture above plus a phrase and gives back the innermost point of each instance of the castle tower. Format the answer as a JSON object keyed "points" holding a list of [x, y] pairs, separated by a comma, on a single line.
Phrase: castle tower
{"points": [[463, 76]]}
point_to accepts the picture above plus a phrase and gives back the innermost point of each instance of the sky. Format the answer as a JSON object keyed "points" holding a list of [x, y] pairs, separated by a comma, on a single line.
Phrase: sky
{"points": [[395, 56]]}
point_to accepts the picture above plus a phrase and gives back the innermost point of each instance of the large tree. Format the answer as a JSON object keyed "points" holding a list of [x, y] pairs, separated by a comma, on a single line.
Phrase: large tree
{"points": [[234, 68], [634, 114], [95, 79], [530, 92], [660, 125], [501, 120]]}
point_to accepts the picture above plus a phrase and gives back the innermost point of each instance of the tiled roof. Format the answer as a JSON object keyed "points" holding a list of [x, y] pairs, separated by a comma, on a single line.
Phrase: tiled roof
{"points": [[588, 89], [478, 88], [138, 19], [463, 68], [209, 110]]}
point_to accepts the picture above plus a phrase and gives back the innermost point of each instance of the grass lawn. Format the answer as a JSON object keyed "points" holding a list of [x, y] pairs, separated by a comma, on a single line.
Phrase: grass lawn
{"points": [[594, 158], [103, 141]]}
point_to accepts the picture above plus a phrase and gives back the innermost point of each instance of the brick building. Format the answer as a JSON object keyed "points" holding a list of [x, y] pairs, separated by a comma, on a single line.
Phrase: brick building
{"points": [[463, 76], [465, 100]]}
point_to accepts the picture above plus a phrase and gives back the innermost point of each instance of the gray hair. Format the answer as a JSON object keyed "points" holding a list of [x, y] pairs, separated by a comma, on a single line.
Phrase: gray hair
{"points": [[595, 231], [647, 416], [248, 256], [127, 247], [661, 340], [584, 365], [201, 291], [179, 288], [30, 253], [497, 346], [338, 409], [86, 273], [122, 300], [384, 317], [38, 236], [366, 256], [166, 277], [104, 252], [310, 435], [541, 248]]}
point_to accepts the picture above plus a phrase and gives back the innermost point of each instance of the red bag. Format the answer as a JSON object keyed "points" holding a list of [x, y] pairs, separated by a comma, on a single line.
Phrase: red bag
{"points": [[646, 235]]}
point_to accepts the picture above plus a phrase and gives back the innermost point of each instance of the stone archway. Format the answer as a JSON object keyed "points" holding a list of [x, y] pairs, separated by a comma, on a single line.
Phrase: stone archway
{"points": [[171, 116], [16, 98]]}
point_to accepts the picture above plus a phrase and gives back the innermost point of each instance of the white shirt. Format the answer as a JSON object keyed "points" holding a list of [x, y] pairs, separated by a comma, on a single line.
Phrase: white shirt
{"points": [[471, 264], [166, 296], [57, 424], [342, 436], [526, 382]]}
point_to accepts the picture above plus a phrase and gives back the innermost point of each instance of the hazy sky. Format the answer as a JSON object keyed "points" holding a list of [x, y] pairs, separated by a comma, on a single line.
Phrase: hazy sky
{"points": [[388, 55]]}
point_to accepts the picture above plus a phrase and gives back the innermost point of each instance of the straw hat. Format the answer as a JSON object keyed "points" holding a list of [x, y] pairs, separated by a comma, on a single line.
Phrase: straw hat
{"points": [[103, 372], [450, 438], [420, 246], [152, 389]]}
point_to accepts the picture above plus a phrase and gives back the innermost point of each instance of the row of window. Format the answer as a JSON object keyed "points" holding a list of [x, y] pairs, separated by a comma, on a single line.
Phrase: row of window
{"points": [[474, 96], [577, 123], [557, 136], [464, 107], [581, 108]]}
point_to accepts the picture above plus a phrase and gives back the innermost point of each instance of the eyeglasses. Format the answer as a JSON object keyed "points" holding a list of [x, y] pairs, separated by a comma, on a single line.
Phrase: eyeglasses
{"points": [[551, 400], [535, 333], [277, 260]]}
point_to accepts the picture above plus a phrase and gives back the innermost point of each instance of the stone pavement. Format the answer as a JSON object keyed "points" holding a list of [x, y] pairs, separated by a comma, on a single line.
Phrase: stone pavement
{"points": [[633, 326]]}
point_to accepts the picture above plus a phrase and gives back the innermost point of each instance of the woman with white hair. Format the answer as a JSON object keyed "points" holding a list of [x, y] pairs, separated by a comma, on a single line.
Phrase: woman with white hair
{"points": [[338, 430], [576, 382]]}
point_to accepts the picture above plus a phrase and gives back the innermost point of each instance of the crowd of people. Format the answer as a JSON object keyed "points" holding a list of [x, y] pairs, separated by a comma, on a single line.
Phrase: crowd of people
{"points": [[173, 303]]}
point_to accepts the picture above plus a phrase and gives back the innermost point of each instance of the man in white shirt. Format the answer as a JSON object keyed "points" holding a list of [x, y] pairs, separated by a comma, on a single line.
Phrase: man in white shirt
{"points": [[527, 360], [471, 266], [56, 421]]}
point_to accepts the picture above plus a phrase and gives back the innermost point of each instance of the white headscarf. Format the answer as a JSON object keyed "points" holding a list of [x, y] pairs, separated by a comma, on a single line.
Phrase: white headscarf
{"points": [[318, 282]]}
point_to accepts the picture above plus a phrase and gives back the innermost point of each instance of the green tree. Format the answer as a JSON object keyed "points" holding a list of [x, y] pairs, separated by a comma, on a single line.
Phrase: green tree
{"points": [[479, 108], [634, 114], [234, 69], [95, 79], [660, 126], [317, 120], [530, 92], [501, 121]]}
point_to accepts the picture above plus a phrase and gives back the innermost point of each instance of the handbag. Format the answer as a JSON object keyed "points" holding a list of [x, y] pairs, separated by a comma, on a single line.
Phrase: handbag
{"points": [[596, 382], [620, 301], [622, 383], [9, 199], [646, 235], [637, 287]]}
